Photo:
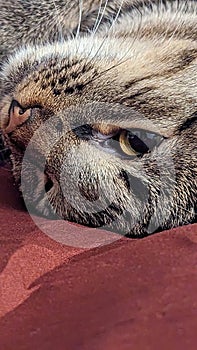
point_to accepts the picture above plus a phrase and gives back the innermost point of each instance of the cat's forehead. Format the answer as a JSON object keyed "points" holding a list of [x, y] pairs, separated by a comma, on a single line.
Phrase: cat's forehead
{"points": [[38, 63], [44, 75], [58, 58]]}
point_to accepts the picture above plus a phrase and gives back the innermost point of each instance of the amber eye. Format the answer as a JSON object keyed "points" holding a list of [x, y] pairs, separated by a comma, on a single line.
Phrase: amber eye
{"points": [[131, 144], [138, 142]]}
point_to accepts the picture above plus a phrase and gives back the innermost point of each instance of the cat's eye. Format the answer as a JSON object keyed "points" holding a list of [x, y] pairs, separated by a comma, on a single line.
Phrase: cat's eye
{"points": [[17, 116], [138, 142], [131, 144], [128, 143], [123, 143]]}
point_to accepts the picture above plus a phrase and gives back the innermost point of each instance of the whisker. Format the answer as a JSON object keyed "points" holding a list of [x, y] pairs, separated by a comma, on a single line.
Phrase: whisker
{"points": [[97, 18], [117, 15], [60, 32], [97, 23], [102, 15], [106, 36], [110, 68], [122, 61], [80, 18]]}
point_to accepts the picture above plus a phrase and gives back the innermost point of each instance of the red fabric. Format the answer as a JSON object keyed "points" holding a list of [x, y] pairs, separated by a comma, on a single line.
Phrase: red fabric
{"points": [[130, 294]]}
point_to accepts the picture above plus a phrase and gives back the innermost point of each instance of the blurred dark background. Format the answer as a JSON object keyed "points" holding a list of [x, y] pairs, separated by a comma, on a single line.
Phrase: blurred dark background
{"points": [[4, 152]]}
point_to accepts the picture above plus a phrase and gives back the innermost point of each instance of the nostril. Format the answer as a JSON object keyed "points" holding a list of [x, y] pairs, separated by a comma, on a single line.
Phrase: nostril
{"points": [[48, 185]]}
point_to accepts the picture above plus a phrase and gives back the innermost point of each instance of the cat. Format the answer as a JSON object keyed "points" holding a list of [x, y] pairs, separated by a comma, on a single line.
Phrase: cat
{"points": [[99, 110]]}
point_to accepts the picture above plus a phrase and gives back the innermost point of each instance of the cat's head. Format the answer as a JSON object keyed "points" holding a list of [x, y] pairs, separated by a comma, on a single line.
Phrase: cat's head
{"points": [[103, 138]]}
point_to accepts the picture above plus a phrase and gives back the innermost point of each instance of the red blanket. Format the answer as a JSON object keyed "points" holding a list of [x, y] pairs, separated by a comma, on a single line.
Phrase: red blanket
{"points": [[130, 294]]}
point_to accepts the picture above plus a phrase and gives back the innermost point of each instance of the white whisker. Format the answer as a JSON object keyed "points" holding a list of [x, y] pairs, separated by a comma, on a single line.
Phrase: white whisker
{"points": [[102, 15], [111, 26], [117, 15], [123, 60], [58, 21], [97, 18], [80, 18]]}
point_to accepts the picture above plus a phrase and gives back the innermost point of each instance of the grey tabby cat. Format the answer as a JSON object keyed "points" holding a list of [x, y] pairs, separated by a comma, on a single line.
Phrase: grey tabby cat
{"points": [[99, 109]]}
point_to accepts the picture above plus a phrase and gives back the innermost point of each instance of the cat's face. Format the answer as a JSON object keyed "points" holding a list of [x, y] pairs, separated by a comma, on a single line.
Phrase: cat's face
{"points": [[105, 142]]}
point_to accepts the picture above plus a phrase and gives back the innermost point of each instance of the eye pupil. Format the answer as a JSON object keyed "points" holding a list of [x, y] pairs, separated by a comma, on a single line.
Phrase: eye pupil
{"points": [[137, 144], [21, 111]]}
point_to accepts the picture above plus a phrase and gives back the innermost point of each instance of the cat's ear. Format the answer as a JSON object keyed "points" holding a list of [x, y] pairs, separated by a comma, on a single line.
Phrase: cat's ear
{"points": [[17, 116]]}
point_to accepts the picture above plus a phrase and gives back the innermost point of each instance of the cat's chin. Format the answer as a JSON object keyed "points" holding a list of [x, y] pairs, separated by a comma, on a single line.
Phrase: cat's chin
{"points": [[111, 219], [47, 201]]}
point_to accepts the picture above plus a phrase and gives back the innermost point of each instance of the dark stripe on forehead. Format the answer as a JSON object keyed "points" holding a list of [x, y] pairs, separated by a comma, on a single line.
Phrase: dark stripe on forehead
{"points": [[189, 122], [152, 104], [182, 61], [135, 96]]}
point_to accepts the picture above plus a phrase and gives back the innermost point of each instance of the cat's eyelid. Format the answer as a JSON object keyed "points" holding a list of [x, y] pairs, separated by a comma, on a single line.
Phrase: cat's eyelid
{"points": [[17, 116], [147, 131], [15, 102], [32, 106]]}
